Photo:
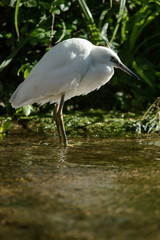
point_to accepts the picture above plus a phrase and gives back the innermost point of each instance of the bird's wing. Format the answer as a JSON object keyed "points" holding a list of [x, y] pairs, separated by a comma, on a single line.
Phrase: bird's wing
{"points": [[59, 70]]}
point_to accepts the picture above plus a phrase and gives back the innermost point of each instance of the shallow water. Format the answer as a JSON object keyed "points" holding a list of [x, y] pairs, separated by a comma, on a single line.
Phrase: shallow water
{"points": [[94, 189]]}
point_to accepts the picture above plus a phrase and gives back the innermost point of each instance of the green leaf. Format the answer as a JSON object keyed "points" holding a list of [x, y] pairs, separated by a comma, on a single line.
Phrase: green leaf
{"points": [[27, 110], [45, 4], [8, 35], [142, 74], [54, 10], [5, 125], [27, 71], [30, 3]]}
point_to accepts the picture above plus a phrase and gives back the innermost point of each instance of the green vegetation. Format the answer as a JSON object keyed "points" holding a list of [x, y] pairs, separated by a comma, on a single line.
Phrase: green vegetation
{"points": [[30, 27]]}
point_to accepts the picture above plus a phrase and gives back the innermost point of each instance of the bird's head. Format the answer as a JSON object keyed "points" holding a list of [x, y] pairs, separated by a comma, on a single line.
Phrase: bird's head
{"points": [[107, 56], [117, 63]]}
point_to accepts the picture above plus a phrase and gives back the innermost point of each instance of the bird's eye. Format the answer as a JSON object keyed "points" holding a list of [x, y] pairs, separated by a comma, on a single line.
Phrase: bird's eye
{"points": [[113, 59]]}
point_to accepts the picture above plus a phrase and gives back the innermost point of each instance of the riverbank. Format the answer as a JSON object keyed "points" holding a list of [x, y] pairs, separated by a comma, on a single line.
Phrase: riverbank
{"points": [[82, 124]]}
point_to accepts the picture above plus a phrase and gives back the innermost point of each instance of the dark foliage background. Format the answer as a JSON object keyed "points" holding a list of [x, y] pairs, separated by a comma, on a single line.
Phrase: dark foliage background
{"points": [[129, 27]]}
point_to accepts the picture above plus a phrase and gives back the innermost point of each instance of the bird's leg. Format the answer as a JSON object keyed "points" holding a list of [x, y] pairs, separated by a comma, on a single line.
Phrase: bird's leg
{"points": [[60, 121], [56, 106]]}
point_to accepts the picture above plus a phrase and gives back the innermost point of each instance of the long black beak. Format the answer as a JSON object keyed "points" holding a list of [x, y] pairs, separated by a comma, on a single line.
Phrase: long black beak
{"points": [[127, 70]]}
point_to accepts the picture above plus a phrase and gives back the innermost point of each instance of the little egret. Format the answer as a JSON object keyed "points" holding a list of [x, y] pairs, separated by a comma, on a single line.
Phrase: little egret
{"points": [[73, 67]]}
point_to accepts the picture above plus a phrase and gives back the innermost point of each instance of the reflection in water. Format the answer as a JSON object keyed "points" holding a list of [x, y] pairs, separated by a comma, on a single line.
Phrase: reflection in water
{"points": [[94, 189], [62, 154]]}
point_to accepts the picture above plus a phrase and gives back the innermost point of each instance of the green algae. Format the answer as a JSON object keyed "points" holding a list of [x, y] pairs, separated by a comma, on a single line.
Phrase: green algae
{"points": [[93, 123], [90, 123]]}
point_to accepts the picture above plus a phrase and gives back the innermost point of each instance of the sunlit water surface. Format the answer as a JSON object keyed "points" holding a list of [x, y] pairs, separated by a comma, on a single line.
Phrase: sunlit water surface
{"points": [[94, 189]]}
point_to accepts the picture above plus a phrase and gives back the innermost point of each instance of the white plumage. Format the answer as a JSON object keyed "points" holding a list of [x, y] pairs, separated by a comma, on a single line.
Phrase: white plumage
{"points": [[73, 67]]}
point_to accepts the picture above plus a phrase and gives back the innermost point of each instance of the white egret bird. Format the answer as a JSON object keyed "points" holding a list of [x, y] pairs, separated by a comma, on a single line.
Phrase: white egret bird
{"points": [[73, 67]]}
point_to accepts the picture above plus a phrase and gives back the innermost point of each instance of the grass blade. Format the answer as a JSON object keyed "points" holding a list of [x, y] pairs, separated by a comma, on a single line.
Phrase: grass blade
{"points": [[63, 32], [142, 19], [120, 16], [16, 18], [86, 11], [10, 57], [90, 19]]}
